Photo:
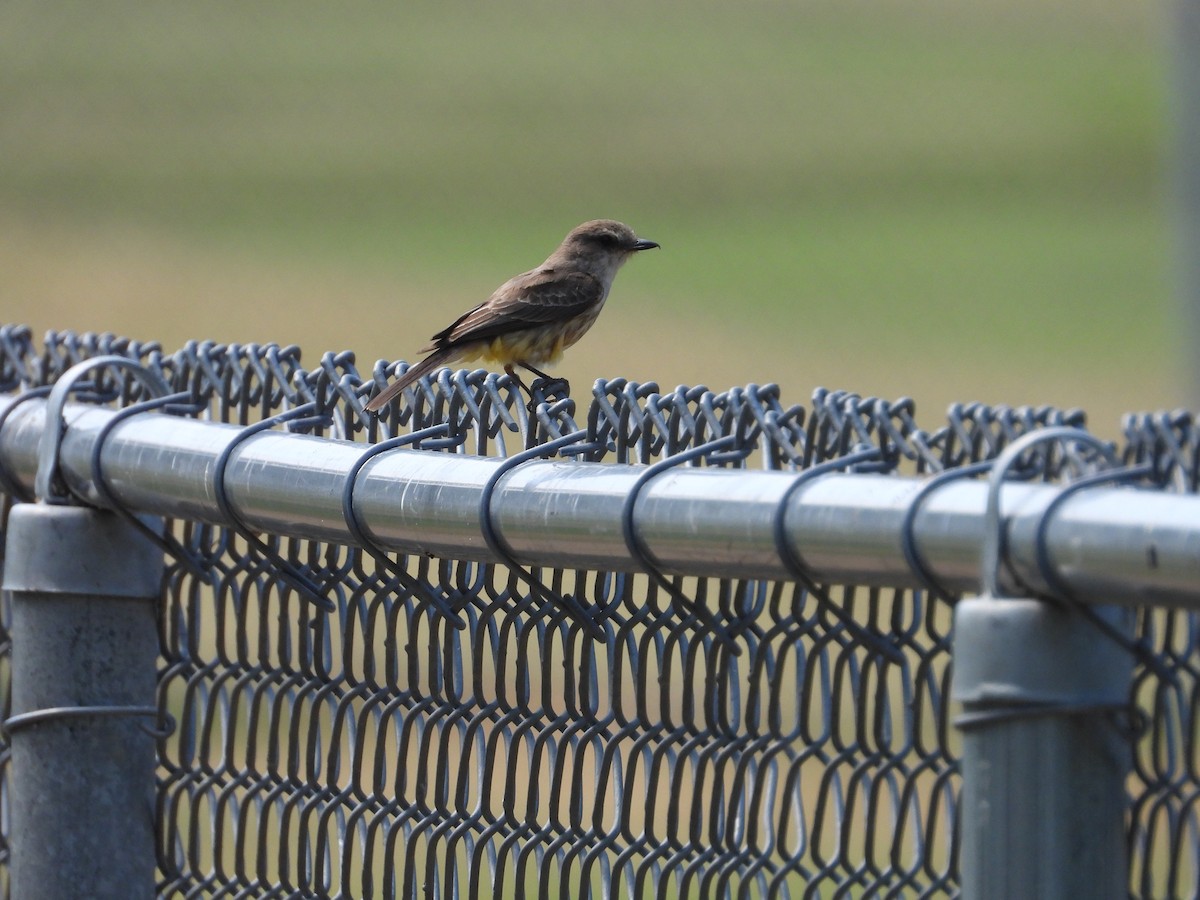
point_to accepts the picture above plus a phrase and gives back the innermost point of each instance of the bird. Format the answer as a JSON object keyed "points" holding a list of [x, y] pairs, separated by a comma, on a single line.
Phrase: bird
{"points": [[533, 317]]}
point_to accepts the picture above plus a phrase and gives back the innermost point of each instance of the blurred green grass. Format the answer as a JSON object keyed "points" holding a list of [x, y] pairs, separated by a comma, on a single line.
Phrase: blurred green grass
{"points": [[925, 198]]}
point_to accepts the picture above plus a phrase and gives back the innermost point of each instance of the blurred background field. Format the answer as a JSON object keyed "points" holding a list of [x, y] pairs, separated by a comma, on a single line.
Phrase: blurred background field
{"points": [[948, 201]]}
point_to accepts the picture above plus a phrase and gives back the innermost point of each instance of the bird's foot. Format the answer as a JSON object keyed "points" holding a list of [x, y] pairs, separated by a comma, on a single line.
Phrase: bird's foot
{"points": [[547, 389]]}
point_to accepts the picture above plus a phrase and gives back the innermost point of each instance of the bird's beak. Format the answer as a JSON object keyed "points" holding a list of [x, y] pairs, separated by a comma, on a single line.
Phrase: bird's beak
{"points": [[644, 245]]}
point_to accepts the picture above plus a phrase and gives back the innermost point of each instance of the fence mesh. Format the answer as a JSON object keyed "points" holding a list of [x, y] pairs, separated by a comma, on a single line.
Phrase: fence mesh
{"points": [[375, 751]]}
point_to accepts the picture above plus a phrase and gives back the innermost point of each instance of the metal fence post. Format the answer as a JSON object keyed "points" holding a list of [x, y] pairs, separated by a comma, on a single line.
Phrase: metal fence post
{"points": [[82, 585], [1045, 750], [1184, 41]]}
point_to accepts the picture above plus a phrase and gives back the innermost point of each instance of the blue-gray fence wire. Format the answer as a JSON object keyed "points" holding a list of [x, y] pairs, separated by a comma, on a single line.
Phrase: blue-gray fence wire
{"points": [[375, 751]]}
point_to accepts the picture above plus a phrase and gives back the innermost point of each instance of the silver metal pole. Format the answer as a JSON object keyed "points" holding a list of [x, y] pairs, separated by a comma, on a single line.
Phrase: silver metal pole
{"points": [[1184, 38], [1046, 751], [83, 585], [1110, 545]]}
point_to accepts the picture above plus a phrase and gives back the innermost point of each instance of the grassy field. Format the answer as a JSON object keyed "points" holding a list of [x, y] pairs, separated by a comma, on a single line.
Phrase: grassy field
{"points": [[915, 198]]}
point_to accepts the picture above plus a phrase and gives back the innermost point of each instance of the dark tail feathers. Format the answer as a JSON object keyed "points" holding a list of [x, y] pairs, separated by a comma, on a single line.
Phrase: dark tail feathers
{"points": [[424, 367]]}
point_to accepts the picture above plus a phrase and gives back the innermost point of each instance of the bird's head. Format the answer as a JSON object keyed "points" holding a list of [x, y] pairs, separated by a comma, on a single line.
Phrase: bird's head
{"points": [[601, 246]]}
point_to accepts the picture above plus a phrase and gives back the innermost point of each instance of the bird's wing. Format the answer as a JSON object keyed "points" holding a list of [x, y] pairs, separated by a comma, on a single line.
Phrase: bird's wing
{"points": [[539, 297]]}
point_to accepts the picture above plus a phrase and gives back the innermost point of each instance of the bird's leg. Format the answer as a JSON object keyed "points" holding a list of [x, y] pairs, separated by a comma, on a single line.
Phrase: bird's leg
{"points": [[546, 384], [512, 373], [528, 389]]}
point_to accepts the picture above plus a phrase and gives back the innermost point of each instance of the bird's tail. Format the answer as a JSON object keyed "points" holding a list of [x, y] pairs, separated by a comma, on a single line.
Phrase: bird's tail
{"points": [[433, 361]]}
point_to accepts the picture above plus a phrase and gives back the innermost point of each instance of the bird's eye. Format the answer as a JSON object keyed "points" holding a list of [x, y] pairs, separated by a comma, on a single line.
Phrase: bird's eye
{"points": [[607, 240]]}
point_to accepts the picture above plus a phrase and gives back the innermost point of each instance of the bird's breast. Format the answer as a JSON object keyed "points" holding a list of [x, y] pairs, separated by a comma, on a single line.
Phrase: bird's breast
{"points": [[535, 346]]}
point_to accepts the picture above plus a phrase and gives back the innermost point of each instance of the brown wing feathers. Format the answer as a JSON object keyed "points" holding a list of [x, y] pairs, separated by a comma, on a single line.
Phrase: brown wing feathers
{"points": [[527, 301]]}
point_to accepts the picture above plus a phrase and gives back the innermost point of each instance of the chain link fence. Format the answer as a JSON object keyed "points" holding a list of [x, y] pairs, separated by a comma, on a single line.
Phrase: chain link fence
{"points": [[377, 751]]}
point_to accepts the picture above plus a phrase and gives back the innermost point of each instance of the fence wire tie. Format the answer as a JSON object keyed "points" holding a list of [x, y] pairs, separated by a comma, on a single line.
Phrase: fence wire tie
{"points": [[49, 488], [866, 456], [1139, 650], [8, 484], [994, 526], [48, 484], [1131, 721], [1061, 596], [298, 577], [414, 585], [164, 540], [497, 546], [908, 539], [641, 553], [58, 713]]}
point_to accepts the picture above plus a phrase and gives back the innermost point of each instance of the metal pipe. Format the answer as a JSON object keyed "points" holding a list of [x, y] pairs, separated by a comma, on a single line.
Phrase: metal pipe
{"points": [[83, 585], [708, 522], [1046, 750], [1183, 39]]}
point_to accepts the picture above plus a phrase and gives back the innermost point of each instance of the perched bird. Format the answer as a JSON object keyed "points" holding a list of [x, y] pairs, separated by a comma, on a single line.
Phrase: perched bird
{"points": [[532, 318]]}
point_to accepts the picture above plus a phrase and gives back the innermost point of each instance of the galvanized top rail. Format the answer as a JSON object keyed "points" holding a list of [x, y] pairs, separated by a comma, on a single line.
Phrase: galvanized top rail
{"points": [[866, 528]]}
